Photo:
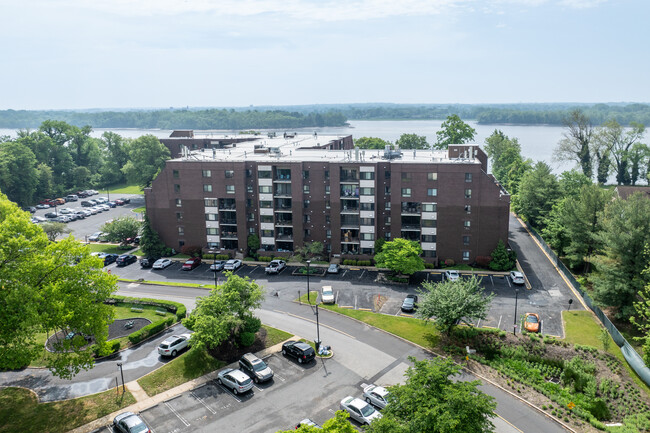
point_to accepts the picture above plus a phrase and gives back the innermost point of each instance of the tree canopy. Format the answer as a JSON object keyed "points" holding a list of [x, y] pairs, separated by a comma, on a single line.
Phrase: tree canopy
{"points": [[617, 142], [507, 164], [538, 192], [576, 142], [453, 301], [48, 287], [435, 400], [401, 256], [150, 242], [453, 131], [371, 143], [338, 424], [147, 156], [121, 229], [412, 141]]}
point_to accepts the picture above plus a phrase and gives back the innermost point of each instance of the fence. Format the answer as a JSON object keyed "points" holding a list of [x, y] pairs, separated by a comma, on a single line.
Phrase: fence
{"points": [[631, 356]]}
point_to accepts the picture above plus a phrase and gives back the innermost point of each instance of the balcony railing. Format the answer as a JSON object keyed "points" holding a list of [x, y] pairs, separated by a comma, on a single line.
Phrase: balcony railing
{"points": [[349, 193], [282, 193], [228, 235], [411, 210], [284, 222], [411, 227], [228, 222], [283, 237]]}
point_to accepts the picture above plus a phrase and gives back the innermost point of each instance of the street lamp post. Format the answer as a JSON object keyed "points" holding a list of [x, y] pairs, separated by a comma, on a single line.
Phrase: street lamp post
{"points": [[317, 342], [119, 364], [515, 321]]}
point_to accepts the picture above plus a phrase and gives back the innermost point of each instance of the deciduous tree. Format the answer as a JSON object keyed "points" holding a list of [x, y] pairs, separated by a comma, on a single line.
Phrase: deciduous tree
{"points": [[453, 131], [412, 141], [538, 192], [617, 142], [371, 143], [507, 164], [452, 301], [121, 229], [53, 230], [48, 287], [576, 142], [435, 400], [147, 156], [18, 175], [401, 256], [338, 424]]}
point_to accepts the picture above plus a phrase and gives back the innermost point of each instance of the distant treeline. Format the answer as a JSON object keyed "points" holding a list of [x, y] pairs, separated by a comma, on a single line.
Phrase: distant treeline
{"points": [[176, 119]]}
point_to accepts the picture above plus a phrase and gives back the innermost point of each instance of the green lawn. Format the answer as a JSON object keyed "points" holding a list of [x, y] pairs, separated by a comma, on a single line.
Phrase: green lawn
{"points": [[20, 410], [581, 327], [124, 189], [108, 248], [140, 209]]}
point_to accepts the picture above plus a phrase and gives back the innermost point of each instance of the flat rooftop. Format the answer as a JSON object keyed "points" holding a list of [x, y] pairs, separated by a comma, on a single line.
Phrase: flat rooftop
{"points": [[306, 147]]}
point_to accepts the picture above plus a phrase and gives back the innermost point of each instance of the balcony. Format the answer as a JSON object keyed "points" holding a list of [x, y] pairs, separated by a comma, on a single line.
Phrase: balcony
{"points": [[228, 235], [411, 208], [411, 227], [349, 222], [227, 205], [411, 235], [282, 178], [228, 222], [284, 246], [349, 236], [350, 193], [349, 207], [287, 237], [349, 176], [282, 192], [286, 222]]}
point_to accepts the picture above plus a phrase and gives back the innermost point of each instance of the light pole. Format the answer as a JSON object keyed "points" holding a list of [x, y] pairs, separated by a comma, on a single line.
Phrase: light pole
{"points": [[108, 194], [119, 364], [514, 332], [317, 342]]}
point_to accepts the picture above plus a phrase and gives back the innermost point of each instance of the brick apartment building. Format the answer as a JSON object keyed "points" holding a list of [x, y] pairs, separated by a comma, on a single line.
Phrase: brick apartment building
{"points": [[293, 189]]}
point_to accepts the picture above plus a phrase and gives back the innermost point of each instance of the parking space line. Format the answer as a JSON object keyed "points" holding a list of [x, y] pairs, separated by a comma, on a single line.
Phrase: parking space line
{"points": [[200, 400], [257, 388], [229, 392], [355, 302], [279, 377], [346, 271], [492, 279], [478, 323], [252, 270], [362, 273], [178, 415], [500, 317], [508, 280], [337, 297]]}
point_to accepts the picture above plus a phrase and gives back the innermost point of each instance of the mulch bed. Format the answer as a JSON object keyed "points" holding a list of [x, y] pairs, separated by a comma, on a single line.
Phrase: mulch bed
{"points": [[229, 352], [115, 330]]}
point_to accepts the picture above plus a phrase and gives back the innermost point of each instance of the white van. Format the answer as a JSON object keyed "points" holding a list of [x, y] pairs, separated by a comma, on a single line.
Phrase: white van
{"points": [[72, 197]]}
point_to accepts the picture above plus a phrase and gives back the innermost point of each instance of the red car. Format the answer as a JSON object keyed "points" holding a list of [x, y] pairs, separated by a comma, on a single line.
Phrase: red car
{"points": [[191, 264]]}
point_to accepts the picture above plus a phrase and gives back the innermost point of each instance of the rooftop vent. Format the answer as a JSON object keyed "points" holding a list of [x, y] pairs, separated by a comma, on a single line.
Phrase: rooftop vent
{"points": [[391, 154]]}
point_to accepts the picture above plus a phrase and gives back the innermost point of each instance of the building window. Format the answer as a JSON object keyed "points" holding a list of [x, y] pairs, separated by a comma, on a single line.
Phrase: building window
{"points": [[367, 191], [468, 209], [467, 224], [387, 205], [432, 176], [406, 176], [367, 236], [305, 174], [305, 189], [211, 217], [429, 207], [465, 240], [406, 192], [327, 189], [213, 231], [306, 204], [429, 223], [250, 217], [465, 255], [264, 174], [328, 234], [327, 219], [206, 173], [177, 188], [468, 193], [178, 202], [306, 218], [213, 245], [265, 189], [266, 218], [266, 204], [175, 174], [387, 236], [387, 190], [367, 206], [367, 175], [432, 192], [386, 174], [249, 202], [327, 204], [207, 188], [249, 173], [387, 220], [210, 202], [267, 233], [230, 174], [307, 233], [468, 177], [249, 189], [181, 231], [428, 238], [367, 221], [327, 174], [179, 216], [230, 189]]}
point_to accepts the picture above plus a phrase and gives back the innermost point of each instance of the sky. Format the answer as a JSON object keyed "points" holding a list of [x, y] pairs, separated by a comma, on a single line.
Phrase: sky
{"points": [[79, 54]]}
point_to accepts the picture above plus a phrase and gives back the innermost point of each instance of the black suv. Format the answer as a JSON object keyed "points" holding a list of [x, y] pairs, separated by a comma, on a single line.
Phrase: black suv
{"points": [[126, 259], [255, 368], [303, 352], [147, 262]]}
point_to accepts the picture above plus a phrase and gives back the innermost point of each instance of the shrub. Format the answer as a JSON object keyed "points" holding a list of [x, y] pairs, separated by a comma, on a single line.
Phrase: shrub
{"points": [[192, 250], [107, 349], [208, 256], [429, 266], [246, 338], [449, 262], [599, 410], [150, 329], [483, 261], [249, 259], [252, 324], [265, 258], [181, 312]]}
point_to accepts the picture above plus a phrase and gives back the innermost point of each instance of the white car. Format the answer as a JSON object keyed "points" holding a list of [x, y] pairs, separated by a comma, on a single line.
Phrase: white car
{"points": [[376, 395], [104, 206], [452, 275], [101, 200], [95, 236], [174, 344], [327, 295], [517, 278], [236, 380], [162, 263], [232, 265], [275, 266], [65, 211], [359, 410]]}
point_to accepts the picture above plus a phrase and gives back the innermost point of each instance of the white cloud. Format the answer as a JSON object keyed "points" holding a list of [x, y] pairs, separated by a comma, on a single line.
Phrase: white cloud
{"points": [[581, 4]]}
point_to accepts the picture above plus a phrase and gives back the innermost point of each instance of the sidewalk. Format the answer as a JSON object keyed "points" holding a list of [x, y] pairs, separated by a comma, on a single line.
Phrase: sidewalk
{"points": [[143, 401]]}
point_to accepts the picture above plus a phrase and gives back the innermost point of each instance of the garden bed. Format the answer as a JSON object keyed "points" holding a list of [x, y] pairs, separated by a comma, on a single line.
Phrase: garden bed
{"points": [[313, 272]]}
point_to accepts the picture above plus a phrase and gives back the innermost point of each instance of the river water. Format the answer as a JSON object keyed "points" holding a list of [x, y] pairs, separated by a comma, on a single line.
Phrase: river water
{"points": [[537, 142]]}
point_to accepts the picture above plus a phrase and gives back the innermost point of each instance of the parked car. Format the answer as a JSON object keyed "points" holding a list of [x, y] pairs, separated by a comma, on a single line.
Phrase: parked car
{"points": [[147, 262], [162, 263], [82, 194], [126, 259], [190, 264], [101, 200], [61, 219], [71, 197], [174, 344], [451, 275], [51, 215], [236, 380], [376, 395], [303, 352], [104, 207], [409, 303], [517, 278], [66, 211], [95, 236], [112, 204], [119, 202], [308, 422], [255, 368], [128, 422], [232, 265], [42, 206], [359, 410], [38, 219], [126, 200], [80, 215], [531, 322], [59, 201], [86, 212], [275, 266], [333, 268], [327, 295], [30, 209], [87, 203], [217, 265], [110, 258]]}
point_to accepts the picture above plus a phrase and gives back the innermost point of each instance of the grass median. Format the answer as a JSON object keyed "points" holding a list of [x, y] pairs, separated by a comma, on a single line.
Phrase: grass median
{"points": [[20, 410]]}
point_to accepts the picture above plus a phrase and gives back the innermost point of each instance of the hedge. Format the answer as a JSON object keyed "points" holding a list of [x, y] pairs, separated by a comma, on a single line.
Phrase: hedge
{"points": [[151, 329], [216, 257], [109, 349], [264, 258], [352, 262], [174, 307]]}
